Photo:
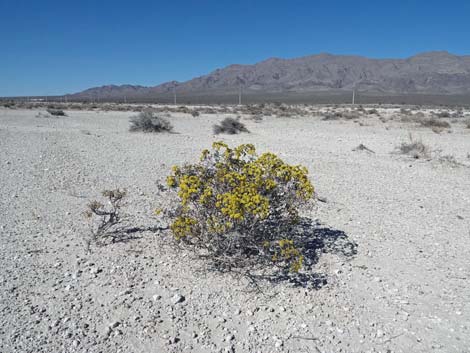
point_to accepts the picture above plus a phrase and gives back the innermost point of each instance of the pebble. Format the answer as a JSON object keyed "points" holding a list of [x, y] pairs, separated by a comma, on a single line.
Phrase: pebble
{"points": [[177, 298]]}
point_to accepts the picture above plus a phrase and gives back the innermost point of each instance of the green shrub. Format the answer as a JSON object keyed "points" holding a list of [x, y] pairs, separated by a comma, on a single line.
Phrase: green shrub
{"points": [[232, 203]]}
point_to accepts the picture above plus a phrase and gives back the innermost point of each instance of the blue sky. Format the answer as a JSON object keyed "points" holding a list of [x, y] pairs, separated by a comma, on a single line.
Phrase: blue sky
{"points": [[57, 47]]}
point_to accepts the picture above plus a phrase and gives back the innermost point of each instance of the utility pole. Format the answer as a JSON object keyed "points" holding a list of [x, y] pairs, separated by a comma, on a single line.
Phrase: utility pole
{"points": [[354, 96], [240, 94], [174, 94]]}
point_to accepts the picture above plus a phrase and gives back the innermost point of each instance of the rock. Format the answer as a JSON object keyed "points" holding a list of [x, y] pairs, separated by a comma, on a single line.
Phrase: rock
{"points": [[156, 297], [379, 334], [114, 324], [95, 270], [177, 298], [229, 338]]}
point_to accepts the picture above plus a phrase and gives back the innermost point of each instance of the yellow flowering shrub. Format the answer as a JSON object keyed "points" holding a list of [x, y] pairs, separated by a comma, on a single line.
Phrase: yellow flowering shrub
{"points": [[232, 201]]}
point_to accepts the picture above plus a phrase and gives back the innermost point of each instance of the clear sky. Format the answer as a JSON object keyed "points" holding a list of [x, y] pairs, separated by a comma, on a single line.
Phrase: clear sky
{"points": [[57, 47]]}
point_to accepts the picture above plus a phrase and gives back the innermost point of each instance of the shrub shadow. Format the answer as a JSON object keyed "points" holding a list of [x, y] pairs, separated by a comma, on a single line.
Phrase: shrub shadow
{"points": [[313, 239], [126, 234]]}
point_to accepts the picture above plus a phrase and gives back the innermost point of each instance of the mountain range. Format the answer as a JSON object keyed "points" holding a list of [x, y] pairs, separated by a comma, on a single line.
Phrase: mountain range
{"points": [[436, 73]]}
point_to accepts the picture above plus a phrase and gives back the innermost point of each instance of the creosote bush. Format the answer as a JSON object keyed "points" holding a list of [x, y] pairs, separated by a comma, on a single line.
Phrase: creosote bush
{"points": [[232, 203], [148, 121], [230, 126]]}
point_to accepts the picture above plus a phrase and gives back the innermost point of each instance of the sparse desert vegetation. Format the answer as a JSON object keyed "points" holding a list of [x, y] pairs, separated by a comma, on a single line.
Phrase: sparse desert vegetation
{"points": [[149, 121], [236, 247], [415, 148], [56, 112], [229, 126]]}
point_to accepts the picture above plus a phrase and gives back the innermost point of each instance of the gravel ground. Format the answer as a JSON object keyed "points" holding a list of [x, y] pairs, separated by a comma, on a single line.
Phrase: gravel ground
{"points": [[404, 290]]}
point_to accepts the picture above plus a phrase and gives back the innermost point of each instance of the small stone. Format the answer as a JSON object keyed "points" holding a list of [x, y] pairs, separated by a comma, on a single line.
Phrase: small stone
{"points": [[95, 270], [379, 334], [278, 344], [229, 338], [114, 324], [156, 297], [177, 298]]}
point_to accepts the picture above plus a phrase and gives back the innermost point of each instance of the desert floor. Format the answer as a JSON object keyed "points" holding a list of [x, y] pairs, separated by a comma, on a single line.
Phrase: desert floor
{"points": [[404, 287]]}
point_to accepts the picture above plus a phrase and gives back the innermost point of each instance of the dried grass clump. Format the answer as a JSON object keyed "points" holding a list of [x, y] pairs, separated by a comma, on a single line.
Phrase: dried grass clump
{"points": [[232, 205], [148, 121], [415, 148], [230, 126]]}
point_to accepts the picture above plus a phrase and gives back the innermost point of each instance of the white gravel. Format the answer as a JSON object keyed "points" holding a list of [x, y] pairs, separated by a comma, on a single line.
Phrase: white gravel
{"points": [[406, 289]]}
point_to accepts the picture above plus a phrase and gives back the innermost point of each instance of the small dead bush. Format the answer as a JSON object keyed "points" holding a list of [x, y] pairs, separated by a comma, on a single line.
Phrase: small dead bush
{"points": [[230, 126], [195, 113], [148, 121], [415, 148], [104, 220]]}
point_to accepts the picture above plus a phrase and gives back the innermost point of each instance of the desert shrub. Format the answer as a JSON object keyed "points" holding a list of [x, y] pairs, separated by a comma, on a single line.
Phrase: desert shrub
{"points": [[229, 126], [232, 203], [183, 109], [332, 116], [195, 113], [467, 124], [414, 148], [56, 112], [443, 114], [148, 121], [9, 104], [104, 220], [373, 111], [432, 122], [404, 111]]}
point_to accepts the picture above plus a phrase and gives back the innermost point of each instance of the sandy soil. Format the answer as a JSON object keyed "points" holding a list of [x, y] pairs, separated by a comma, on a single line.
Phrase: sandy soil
{"points": [[405, 289]]}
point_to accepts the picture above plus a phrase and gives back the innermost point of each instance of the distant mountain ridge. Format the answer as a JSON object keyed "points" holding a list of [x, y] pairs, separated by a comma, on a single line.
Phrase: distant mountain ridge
{"points": [[437, 72]]}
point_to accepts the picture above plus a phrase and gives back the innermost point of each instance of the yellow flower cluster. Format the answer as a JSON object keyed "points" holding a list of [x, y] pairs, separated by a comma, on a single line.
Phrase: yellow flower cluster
{"points": [[182, 226], [232, 188], [288, 252]]}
